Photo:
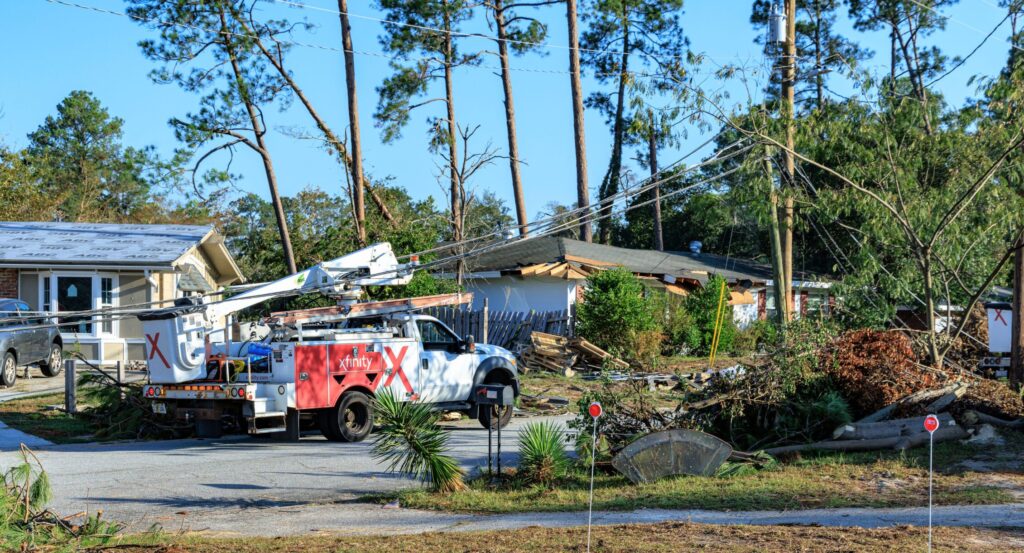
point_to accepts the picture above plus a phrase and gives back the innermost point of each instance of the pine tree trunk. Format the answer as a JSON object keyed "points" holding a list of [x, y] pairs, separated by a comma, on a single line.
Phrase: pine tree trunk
{"points": [[453, 150], [659, 239], [268, 165], [610, 184], [353, 121], [819, 78], [582, 189], [510, 118]]}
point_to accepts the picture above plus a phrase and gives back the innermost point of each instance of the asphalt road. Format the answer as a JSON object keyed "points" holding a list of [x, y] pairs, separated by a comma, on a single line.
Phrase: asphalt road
{"points": [[189, 483]]}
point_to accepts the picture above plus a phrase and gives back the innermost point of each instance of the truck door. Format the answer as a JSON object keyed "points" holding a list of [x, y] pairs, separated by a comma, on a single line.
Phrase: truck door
{"points": [[444, 370]]}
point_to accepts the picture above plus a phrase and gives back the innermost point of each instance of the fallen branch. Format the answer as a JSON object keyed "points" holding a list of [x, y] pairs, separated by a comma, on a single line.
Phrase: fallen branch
{"points": [[885, 429], [943, 434], [977, 417], [916, 397]]}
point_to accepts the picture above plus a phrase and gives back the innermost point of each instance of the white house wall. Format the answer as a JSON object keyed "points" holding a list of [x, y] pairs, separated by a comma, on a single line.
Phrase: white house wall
{"points": [[744, 315], [508, 293]]}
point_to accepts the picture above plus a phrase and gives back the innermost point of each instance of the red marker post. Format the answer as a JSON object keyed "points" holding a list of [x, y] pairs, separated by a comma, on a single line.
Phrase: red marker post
{"points": [[931, 424], [595, 411]]}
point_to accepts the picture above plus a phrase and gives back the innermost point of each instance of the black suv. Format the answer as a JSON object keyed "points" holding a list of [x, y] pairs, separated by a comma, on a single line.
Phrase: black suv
{"points": [[26, 339]]}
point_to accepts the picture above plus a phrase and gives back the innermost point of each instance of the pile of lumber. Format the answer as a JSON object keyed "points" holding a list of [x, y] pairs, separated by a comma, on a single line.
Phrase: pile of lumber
{"points": [[553, 353]]}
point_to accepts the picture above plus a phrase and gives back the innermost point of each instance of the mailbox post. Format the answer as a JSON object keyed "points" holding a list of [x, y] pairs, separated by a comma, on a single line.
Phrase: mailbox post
{"points": [[489, 396]]}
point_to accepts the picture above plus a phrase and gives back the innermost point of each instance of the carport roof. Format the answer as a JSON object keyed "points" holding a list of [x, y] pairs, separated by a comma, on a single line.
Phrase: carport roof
{"points": [[551, 249]]}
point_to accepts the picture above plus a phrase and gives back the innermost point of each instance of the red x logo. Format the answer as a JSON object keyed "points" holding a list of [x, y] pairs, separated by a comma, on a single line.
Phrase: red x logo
{"points": [[396, 366], [154, 349], [999, 317]]}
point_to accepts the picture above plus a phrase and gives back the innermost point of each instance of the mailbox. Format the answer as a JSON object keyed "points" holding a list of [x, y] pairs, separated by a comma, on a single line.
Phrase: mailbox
{"points": [[494, 395]]}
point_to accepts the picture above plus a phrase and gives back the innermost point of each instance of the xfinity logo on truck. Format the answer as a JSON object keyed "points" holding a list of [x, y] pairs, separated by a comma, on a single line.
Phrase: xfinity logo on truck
{"points": [[355, 363]]}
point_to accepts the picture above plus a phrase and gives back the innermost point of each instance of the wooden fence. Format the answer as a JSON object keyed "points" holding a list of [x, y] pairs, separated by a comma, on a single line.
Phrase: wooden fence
{"points": [[502, 328]]}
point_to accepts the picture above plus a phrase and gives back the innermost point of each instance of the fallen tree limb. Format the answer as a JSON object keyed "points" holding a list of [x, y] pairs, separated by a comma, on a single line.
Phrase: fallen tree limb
{"points": [[885, 429], [923, 395], [975, 416], [943, 434]]}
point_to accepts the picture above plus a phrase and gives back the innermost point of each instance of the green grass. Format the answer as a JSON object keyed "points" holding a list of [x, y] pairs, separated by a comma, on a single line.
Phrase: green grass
{"points": [[876, 479], [32, 415]]}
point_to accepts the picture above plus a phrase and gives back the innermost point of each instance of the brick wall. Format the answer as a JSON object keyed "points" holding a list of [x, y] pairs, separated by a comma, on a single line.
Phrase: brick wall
{"points": [[8, 283]]}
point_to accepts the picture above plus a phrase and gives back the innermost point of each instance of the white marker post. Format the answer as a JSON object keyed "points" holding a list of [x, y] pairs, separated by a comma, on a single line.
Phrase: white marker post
{"points": [[595, 411], [931, 424]]}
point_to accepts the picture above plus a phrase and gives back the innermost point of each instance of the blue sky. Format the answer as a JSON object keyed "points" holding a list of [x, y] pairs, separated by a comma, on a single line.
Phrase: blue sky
{"points": [[51, 49]]}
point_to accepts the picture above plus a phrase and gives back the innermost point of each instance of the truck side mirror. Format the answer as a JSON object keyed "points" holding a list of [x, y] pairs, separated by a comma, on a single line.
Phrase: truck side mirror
{"points": [[469, 344]]}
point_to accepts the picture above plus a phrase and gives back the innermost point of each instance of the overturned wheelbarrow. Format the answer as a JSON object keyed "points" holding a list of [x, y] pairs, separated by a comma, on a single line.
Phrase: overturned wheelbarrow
{"points": [[671, 453]]}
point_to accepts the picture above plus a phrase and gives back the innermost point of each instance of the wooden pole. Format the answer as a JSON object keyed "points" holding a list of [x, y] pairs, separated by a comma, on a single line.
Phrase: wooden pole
{"points": [[120, 372], [1016, 333], [484, 323], [70, 400], [789, 109], [582, 193]]}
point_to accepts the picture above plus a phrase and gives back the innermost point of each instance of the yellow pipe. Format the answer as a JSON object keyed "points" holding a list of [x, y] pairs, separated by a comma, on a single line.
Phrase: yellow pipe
{"points": [[718, 327]]}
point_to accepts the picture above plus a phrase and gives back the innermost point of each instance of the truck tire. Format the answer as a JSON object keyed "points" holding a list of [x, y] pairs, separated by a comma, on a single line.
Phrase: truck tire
{"points": [[326, 420], [352, 418], [54, 361], [8, 369], [494, 416]]}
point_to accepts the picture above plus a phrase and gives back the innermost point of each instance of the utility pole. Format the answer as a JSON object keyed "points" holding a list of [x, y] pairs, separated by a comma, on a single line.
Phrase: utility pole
{"points": [[659, 239], [1016, 372], [788, 111], [582, 193], [778, 33]]}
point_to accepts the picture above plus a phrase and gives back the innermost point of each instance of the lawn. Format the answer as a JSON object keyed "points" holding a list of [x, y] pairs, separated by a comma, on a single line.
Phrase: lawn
{"points": [[36, 416], [965, 475], [676, 536]]}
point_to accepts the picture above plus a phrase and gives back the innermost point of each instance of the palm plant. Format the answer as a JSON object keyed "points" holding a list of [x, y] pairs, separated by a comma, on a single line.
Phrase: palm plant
{"points": [[410, 441], [542, 456]]}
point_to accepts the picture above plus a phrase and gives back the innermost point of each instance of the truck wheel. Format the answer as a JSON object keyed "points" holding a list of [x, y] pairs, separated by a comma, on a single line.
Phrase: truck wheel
{"points": [[494, 416], [354, 417], [8, 370], [327, 421], [54, 362]]}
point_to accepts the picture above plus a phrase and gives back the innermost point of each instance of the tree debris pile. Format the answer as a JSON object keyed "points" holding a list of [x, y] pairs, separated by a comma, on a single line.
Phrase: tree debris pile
{"points": [[550, 352], [873, 369], [120, 412]]}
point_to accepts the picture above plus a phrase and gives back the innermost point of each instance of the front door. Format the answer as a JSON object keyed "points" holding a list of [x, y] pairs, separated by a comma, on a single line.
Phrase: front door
{"points": [[74, 293]]}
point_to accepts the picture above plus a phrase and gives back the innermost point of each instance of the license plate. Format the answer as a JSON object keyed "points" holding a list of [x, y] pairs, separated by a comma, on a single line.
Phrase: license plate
{"points": [[160, 408]]}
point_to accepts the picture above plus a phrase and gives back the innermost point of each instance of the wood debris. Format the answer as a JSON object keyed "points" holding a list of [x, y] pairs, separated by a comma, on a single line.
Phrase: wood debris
{"points": [[558, 354]]}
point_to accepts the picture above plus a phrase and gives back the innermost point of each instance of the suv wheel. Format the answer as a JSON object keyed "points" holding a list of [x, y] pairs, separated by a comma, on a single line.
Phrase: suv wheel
{"points": [[54, 362], [8, 370]]}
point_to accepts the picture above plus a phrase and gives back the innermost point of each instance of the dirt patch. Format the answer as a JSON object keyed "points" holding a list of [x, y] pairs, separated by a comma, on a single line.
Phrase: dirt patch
{"points": [[665, 537]]}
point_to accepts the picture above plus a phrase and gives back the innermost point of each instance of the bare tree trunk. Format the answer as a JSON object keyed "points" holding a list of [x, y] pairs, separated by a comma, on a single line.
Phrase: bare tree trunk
{"points": [[659, 239], [582, 192], [892, 60], [268, 165], [788, 86], [929, 305], [1017, 332], [819, 78], [453, 151], [321, 124], [776, 244], [510, 119], [353, 122], [610, 184]]}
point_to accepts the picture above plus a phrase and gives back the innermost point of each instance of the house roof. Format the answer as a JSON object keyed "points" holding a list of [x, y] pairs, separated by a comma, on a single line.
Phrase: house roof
{"points": [[39, 244], [552, 249]]}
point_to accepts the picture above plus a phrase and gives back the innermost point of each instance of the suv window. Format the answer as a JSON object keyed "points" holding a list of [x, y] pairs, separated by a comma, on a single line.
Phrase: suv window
{"points": [[9, 315], [28, 314]]}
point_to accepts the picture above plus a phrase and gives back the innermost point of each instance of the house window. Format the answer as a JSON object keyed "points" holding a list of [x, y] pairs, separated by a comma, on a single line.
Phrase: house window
{"points": [[107, 302]]}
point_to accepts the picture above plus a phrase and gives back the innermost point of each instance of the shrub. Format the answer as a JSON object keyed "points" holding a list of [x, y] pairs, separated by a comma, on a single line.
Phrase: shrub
{"points": [[759, 336], [702, 305], [675, 322], [410, 441], [614, 308], [542, 457]]}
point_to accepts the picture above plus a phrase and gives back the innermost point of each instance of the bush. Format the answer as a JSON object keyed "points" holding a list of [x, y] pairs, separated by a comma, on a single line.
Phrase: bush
{"points": [[614, 310], [412, 443], [759, 336], [702, 305], [675, 322], [542, 457]]}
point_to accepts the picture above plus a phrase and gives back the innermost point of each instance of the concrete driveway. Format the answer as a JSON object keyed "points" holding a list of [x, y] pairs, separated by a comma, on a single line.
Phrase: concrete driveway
{"points": [[194, 483]]}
